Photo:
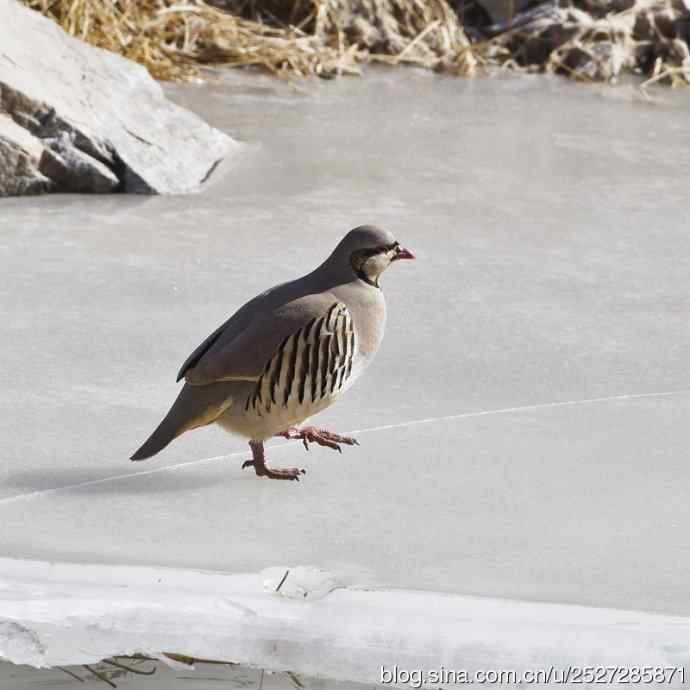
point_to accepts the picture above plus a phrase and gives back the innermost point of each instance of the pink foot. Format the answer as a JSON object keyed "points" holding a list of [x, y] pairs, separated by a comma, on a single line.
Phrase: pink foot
{"points": [[310, 434], [262, 470]]}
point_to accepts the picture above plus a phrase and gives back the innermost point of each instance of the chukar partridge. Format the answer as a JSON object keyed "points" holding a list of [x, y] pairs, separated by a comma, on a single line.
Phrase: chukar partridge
{"points": [[287, 354]]}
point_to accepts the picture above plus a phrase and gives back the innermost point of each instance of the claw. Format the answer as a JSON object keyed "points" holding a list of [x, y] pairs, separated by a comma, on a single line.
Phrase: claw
{"points": [[325, 438], [262, 470]]}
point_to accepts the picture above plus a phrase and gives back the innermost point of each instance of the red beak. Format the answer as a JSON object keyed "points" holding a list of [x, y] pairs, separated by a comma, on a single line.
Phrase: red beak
{"points": [[403, 254]]}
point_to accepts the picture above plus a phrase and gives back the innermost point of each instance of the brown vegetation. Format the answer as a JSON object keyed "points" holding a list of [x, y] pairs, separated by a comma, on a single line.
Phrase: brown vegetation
{"points": [[590, 40], [323, 37]]}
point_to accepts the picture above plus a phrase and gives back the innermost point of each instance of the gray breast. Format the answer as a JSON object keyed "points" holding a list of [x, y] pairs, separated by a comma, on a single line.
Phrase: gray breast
{"points": [[310, 366]]}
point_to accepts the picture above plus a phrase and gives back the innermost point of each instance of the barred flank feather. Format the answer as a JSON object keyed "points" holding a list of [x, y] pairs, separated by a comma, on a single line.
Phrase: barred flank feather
{"points": [[311, 364]]}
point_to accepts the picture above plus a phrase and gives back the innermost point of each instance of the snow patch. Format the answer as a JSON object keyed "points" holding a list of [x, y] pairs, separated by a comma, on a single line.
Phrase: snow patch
{"points": [[300, 582], [64, 614], [19, 644]]}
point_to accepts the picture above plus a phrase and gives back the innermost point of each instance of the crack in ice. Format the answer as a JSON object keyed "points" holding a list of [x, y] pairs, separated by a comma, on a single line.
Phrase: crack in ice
{"points": [[383, 427], [521, 408]]}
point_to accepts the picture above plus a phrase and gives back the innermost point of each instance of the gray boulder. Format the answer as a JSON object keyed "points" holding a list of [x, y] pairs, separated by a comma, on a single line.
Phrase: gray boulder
{"points": [[75, 118]]}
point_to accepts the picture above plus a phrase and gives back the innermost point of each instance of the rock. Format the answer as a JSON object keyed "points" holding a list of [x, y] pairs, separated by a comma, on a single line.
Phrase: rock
{"points": [[600, 61], [665, 23], [539, 47], [427, 31], [20, 153], [500, 12], [678, 50], [601, 8], [643, 29], [72, 170], [76, 118]]}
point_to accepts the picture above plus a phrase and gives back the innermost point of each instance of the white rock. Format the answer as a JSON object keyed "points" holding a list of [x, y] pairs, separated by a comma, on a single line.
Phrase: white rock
{"points": [[20, 153], [84, 119]]}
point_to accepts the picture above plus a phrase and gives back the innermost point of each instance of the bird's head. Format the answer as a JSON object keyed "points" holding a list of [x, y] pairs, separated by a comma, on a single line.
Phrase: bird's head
{"points": [[369, 251]]}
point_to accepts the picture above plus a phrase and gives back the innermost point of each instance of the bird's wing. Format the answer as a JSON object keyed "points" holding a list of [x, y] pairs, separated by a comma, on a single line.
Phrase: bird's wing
{"points": [[227, 331], [241, 348], [311, 364]]}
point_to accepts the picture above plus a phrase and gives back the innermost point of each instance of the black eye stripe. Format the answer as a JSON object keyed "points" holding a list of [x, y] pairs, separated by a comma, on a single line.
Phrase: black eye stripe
{"points": [[359, 258], [380, 250]]}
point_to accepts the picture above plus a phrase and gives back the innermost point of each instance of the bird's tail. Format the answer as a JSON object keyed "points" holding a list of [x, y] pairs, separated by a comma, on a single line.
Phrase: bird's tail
{"points": [[195, 406], [158, 440]]}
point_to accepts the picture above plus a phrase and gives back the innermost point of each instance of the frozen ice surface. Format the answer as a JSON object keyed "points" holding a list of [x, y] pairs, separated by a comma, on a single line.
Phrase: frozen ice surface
{"points": [[81, 614], [524, 427]]}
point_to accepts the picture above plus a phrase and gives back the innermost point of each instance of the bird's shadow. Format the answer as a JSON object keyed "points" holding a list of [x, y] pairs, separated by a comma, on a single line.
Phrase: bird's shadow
{"points": [[76, 480]]}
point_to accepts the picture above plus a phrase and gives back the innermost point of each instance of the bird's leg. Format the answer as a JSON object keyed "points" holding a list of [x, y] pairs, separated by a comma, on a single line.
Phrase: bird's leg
{"points": [[310, 434], [262, 470]]}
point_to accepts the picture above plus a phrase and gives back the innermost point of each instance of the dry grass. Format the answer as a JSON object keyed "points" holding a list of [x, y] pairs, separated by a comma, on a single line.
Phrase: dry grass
{"points": [[588, 40], [174, 38]]}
